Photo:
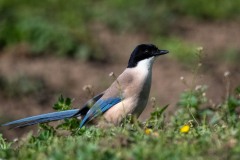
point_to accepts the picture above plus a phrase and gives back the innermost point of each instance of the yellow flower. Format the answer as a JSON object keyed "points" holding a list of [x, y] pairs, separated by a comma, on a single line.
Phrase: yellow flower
{"points": [[185, 128], [148, 131]]}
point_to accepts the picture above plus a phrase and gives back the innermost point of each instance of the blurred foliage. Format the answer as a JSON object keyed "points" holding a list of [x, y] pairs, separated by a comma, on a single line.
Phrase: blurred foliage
{"points": [[210, 10], [156, 120], [64, 28], [180, 50], [156, 17], [193, 98], [3, 144], [49, 27]]}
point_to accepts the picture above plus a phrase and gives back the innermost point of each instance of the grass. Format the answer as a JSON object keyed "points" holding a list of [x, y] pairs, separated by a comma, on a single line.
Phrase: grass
{"points": [[124, 144], [155, 139], [193, 131]]}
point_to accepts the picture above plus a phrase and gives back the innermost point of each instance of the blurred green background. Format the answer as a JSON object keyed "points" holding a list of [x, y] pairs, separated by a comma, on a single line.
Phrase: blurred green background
{"points": [[64, 28], [51, 47]]}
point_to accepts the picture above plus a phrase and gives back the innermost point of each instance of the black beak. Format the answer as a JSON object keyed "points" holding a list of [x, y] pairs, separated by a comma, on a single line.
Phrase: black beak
{"points": [[160, 52]]}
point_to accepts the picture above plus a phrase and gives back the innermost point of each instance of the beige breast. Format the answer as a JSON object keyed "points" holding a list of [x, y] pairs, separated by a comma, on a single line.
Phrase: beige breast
{"points": [[134, 86]]}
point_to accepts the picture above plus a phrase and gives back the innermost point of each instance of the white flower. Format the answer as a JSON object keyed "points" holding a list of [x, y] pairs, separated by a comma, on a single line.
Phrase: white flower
{"points": [[181, 78], [199, 49], [226, 74], [198, 87]]}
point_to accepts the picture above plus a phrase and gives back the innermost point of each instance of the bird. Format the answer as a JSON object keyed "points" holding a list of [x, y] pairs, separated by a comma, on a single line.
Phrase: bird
{"points": [[128, 94]]}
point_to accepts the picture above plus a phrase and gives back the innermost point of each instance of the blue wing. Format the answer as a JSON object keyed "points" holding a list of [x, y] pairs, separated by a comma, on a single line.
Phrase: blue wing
{"points": [[101, 106]]}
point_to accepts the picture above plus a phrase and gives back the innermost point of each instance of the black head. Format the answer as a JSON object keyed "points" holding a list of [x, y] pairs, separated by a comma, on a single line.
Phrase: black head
{"points": [[144, 51]]}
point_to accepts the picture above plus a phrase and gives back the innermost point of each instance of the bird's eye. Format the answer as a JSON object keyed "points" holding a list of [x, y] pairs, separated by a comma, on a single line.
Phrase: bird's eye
{"points": [[146, 51]]}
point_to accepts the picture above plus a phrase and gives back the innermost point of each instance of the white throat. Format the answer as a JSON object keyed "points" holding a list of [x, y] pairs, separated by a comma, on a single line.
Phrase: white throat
{"points": [[145, 64]]}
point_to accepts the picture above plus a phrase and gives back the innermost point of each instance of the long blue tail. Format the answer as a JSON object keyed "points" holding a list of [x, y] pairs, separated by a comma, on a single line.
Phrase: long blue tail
{"points": [[54, 116]]}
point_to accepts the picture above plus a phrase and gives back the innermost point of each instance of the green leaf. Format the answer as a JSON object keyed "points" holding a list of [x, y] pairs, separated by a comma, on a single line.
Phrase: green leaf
{"points": [[237, 90], [233, 103], [63, 104]]}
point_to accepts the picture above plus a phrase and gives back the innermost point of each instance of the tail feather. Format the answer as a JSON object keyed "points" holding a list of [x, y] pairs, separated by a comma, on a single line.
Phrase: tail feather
{"points": [[43, 118]]}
